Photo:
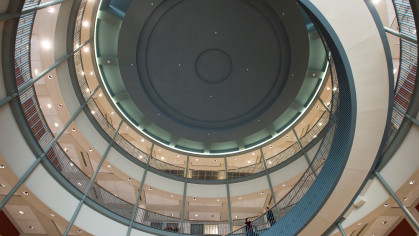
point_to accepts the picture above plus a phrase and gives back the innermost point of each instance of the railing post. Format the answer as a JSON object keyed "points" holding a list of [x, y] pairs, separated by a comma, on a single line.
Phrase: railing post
{"points": [[134, 212], [92, 180], [43, 155], [267, 175], [341, 229], [228, 195], [184, 196], [393, 194], [304, 152]]}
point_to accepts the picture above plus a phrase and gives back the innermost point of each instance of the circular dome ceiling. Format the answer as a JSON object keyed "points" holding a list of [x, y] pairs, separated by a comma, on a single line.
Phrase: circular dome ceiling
{"points": [[213, 70]]}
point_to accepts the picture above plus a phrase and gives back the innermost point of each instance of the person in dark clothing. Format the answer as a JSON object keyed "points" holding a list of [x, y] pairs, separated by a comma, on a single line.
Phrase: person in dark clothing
{"points": [[249, 228], [270, 216]]}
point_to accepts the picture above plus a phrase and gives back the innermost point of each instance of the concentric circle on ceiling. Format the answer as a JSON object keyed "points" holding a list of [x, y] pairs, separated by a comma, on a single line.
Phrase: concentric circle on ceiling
{"points": [[213, 70]]}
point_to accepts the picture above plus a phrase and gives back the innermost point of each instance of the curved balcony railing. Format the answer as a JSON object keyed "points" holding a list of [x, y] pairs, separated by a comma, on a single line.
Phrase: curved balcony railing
{"points": [[407, 70]]}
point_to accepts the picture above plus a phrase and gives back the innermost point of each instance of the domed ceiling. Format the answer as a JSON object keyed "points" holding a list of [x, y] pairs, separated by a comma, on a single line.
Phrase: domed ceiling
{"points": [[205, 75]]}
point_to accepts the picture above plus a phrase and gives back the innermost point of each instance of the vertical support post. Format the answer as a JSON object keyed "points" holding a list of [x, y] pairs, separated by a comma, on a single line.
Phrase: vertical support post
{"points": [[43, 155], [393, 194], [341, 229], [304, 152], [267, 175], [228, 195], [91, 182], [184, 196], [327, 109], [134, 212]]}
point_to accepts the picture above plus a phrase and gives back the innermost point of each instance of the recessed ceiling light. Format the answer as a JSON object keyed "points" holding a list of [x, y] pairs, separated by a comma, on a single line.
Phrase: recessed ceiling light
{"points": [[177, 155], [91, 73], [79, 231], [215, 160], [100, 95], [236, 216], [31, 227], [412, 182], [79, 184], [218, 200], [404, 199], [304, 123], [196, 159], [359, 224], [74, 130], [270, 162], [194, 199], [53, 215], [85, 23], [334, 89], [271, 146], [49, 106], [317, 107], [50, 9], [21, 212], [159, 149], [234, 159], [87, 90], [150, 189], [288, 136], [85, 49], [253, 154], [2, 185], [90, 150], [240, 198], [93, 112], [142, 140], [171, 214], [129, 179], [109, 166], [283, 185], [248, 161], [71, 164], [65, 149], [112, 113], [109, 62], [126, 128], [314, 136], [49, 76], [196, 215], [261, 193], [171, 195], [46, 44], [141, 157], [384, 222], [328, 104], [328, 88], [56, 124], [36, 72], [320, 124], [1, 166], [386, 205], [162, 158], [60, 105]]}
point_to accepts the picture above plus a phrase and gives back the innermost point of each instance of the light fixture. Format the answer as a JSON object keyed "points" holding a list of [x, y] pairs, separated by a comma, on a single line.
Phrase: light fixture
{"points": [[240, 198], [87, 90], [359, 224], [288, 136], [50, 10], [386, 205], [90, 150], [141, 157], [271, 146], [31, 227], [162, 158], [112, 113], [21, 212], [334, 89], [218, 200], [82, 73], [91, 73], [320, 124], [36, 72], [215, 160], [2, 185], [375, 1], [172, 214], [79, 184], [159, 149], [126, 128], [328, 88], [26, 193], [194, 199], [248, 162], [49, 76], [317, 107], [142, 140], [150, 189], [171, 195], [85, 49], [93, 112], [253, 154], [234, 159], [79, 231], [196, 159], [328, 104], [56, 125], [109, 166], [46, 44], [60, 105], [315, 136], [53, 215], [49, 106], [129, 179], [196, 215], [85, 23], [74, 130], [177, 155], [283, 185], [100, 95], [412, 182], [65, 149], [236, 216], [404, 199], [71, 164], [1, 166], [304, 123], [261, 193], [384, 222], [270, 162], [394, 71]]}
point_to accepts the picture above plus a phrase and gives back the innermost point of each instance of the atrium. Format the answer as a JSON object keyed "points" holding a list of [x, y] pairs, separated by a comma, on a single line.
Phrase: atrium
{"points": [[209, 117]]}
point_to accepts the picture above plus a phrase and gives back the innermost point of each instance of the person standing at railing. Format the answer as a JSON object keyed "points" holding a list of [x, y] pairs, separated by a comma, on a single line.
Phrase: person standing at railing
{"points": [[249, 228], [270, 216]]}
